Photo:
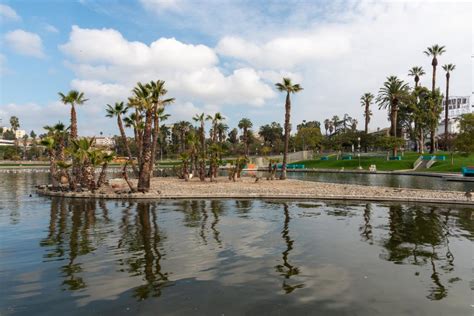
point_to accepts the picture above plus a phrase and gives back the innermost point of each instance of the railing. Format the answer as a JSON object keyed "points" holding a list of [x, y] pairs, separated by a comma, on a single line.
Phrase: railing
{"points": [[431, 162], [417, 162]]}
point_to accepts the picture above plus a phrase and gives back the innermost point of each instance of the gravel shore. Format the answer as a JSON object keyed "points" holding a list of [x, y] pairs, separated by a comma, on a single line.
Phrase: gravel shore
{"points": [[248, 187]]}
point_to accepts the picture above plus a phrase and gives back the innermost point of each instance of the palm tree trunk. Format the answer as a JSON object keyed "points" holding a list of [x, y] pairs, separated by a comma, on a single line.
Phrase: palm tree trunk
{"points": [[287, 135], [433, 80], [446, 108], [145, 164], [156, 125], [432, 136], [73, 122], [394, 129], [53, 169], [127, 146], [102, 175]]}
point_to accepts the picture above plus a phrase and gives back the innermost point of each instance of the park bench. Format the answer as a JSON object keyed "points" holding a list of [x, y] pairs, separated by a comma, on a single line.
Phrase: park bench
{"points": [[443, 158], [324, 158], [347, 157], [295, 166], [468, 171], [395, 158]]}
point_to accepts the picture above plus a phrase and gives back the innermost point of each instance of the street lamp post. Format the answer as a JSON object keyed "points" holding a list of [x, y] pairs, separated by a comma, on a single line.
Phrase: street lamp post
{"points": [[304, 147], [358, 152]]}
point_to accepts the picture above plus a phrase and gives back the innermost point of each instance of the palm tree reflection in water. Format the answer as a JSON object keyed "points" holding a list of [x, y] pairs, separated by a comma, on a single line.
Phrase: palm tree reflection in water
{"points": [[416, 236], [286, 269], [147, 263]]}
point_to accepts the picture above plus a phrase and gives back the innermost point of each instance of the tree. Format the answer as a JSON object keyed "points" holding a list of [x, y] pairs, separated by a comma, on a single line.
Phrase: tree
{"points": [[272, 134], [48, 142], [448, 68], [327, 123], [464, 142], [201, 119], [434, 51], [73, 98], [14, 123], [157, 91], [393, 92], [416, 72], [308, 137], [245, 124], [366, 101], [288, 87], [117, 110], [336, 122]]}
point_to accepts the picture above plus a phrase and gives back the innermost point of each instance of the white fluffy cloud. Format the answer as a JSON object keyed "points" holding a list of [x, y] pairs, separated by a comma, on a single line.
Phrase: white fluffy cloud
{"points": [[8, 14], [288, 51], [51, 28], [190, 71], [34, 116], [162, 5], [25, 43]]}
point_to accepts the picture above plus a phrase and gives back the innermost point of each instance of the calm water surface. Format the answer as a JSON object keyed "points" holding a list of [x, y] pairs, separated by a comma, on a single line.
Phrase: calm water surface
{"points": [[232, 257], [386, 180]]}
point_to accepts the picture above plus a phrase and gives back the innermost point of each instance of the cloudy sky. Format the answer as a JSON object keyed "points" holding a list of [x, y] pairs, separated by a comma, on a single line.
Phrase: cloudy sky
{"points": [[221, 55]]}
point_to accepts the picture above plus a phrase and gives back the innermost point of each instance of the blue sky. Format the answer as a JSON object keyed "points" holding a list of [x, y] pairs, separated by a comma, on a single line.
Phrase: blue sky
{"points": [[221, 55]]}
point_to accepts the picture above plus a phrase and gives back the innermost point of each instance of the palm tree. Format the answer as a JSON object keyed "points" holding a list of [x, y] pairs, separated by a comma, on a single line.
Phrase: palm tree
{"points": [[393, 92], [48, 142], [448, 68], [105, 158], [416, 72], [245, 124], [326, 125], [216, 119], [118, 110], [434, 51], [201, 118], [73, 98], [157, 90], [366, 101], [335, 122], [144, 96], [221, 129], [288, 87]]}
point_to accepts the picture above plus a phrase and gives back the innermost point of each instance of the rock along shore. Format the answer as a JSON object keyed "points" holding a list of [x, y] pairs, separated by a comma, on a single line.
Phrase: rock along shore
{"points": [[246, 187]]}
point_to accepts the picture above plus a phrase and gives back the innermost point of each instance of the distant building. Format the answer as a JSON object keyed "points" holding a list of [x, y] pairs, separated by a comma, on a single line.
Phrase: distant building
{"points": [[5, 142], [19, 133], [457, 106], [104, 141]]}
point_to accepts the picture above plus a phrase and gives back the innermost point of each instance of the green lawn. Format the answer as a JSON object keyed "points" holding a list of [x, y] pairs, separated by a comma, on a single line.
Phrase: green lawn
{"points": [[459, 161], [383, 165]]}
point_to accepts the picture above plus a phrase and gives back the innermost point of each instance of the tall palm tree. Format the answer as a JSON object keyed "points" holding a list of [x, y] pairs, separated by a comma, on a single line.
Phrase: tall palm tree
{"points": [[117, 110], [434, 51], [48, 142], [216, 119], [157, 90], [201, 119], [288, 87], [393, 92], [73, 98], [416, 72], [366, 101], [326, 125], [144, 95], [448, 68], [221, 129], [245, 124], [335, 122]]}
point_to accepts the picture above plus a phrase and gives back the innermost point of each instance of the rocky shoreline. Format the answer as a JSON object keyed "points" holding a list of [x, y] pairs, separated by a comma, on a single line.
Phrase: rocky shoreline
{"points": [[247, 187]]}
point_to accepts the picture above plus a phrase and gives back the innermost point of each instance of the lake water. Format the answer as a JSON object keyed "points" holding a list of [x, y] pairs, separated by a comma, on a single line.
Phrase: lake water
{"points": [[230, 257]]}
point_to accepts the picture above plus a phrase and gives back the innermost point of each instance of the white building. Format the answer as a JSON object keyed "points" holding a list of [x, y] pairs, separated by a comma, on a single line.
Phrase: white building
{"points": [[19, 133], [104, 141], [457, 106]]}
